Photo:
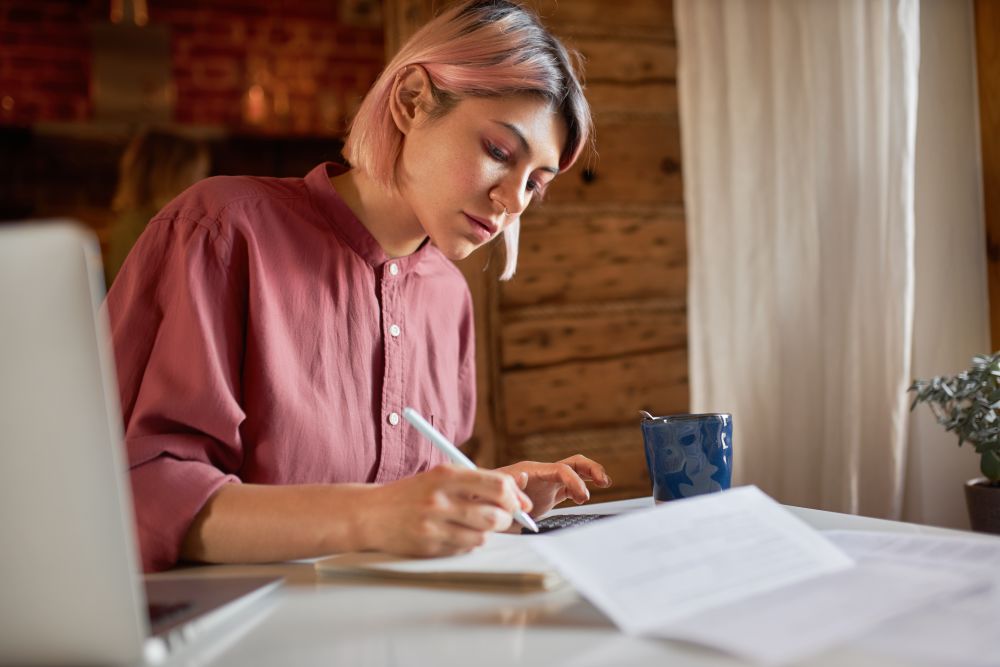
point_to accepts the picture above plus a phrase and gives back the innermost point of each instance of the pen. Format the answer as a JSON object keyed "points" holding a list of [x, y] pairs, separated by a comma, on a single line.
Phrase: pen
{"points": [[455, 455]]}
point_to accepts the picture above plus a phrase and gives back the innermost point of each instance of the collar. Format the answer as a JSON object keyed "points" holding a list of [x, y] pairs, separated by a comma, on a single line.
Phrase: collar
{"points": [[346, 225]]}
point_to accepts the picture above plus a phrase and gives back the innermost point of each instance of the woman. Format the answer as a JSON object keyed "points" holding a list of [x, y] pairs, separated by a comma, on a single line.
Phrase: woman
{"points": [[269, 332], [155, 168]]}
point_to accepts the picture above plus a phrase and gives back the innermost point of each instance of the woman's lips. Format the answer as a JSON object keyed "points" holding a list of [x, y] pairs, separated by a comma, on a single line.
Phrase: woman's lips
{"points": [[483, 228]]}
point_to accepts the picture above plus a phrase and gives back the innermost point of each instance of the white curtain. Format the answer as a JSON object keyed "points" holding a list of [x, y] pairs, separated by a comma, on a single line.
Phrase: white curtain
{"points": [[951, 311], [798, 124]]}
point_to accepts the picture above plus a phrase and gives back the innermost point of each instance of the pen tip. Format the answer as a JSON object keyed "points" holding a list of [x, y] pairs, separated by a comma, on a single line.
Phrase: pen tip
{"points": [[525, 520]]}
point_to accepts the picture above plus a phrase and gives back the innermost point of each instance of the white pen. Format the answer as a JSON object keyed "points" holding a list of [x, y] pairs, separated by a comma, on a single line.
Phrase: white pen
{"points": [[455, 455]]}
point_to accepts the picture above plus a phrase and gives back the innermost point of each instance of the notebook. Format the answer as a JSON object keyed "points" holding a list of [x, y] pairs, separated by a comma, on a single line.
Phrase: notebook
{"points": [[69, 576], [505, 561]]}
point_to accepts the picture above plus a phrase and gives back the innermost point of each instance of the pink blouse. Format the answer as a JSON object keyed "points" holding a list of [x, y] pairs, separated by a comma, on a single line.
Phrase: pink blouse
{"points": [[262, 335]]}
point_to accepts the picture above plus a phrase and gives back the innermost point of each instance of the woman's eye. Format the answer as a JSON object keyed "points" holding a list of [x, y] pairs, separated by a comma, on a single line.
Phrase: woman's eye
{"points": [[536, 189], [497, 152]]}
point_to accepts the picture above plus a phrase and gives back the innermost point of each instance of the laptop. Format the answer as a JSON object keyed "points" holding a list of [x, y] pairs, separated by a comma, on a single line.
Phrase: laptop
{"points": [[70, 584]]}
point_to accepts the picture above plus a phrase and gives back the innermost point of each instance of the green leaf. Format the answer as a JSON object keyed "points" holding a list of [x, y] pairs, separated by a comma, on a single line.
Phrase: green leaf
{"points": [[968, 405], [990, 465]]}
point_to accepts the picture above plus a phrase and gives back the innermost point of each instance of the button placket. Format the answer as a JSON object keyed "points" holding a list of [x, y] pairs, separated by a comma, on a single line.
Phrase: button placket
{"points": [[393, 456]]}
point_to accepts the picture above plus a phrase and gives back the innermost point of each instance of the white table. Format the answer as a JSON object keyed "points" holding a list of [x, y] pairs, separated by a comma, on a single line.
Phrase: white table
{"points": [[314, 621]]}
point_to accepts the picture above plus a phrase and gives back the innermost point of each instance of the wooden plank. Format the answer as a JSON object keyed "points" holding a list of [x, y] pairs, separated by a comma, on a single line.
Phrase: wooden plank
{"points": [[594, 393], [626, 18], [647, 276], [609, 100], [575, 256], [987, 16], [556, 335], [619, 450], [627, 61], [638, 161]]}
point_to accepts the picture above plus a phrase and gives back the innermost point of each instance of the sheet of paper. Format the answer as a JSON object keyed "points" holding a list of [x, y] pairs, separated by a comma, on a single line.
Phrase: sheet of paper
{"points": [[960, 631], [975, 554], [811, 616], [650, 568]]}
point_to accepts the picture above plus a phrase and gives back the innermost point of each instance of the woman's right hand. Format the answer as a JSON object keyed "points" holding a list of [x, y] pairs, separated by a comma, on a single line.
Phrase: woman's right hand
{"points": [[443, 511]]}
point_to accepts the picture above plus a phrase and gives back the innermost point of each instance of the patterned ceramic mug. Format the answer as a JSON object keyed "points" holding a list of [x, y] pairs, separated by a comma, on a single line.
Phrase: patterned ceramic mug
{"points": [[688, 455]]}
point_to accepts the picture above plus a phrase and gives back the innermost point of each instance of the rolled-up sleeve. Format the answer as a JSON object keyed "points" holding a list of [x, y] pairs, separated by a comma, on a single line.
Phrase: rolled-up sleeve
{"points": [[178, 313]]}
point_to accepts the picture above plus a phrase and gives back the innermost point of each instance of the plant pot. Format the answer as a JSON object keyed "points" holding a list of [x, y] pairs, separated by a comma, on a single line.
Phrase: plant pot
{"points": [[983, 502]]}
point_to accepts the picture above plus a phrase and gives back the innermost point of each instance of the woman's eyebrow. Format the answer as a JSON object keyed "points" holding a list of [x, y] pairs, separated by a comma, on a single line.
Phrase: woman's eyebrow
{"points": [[524, 143]]}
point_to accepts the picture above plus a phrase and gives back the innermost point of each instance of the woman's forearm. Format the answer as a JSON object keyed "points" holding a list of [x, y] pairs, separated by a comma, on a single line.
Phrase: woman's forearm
{"points": [[439, 512], [256, 523]]}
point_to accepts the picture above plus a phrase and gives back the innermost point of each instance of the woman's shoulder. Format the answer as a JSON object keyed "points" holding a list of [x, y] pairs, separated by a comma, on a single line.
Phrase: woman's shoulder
{"points": [[215, 194], [235, 204]]}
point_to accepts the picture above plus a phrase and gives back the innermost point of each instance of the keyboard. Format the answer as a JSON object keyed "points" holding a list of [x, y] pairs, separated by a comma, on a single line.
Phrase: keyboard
{"points": [[159, 613], [560, 521]]}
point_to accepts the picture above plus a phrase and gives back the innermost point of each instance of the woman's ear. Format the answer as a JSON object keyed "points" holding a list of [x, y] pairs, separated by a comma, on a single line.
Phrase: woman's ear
{"points": [[411, 97]]}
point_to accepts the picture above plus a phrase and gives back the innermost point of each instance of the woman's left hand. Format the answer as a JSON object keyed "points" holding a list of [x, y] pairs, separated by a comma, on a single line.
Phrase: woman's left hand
{"points": [[548, 484]]}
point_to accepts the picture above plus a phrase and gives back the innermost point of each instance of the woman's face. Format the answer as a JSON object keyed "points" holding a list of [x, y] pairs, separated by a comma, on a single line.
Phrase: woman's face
{"points": [[459, 171]]}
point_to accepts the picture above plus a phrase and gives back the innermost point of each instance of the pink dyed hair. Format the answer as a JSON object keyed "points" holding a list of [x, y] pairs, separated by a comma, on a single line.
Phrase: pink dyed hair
{"points": [[480, 48]]}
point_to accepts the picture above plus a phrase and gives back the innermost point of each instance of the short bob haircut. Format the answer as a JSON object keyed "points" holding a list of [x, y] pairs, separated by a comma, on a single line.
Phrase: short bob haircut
{"points": [[480, 48]]}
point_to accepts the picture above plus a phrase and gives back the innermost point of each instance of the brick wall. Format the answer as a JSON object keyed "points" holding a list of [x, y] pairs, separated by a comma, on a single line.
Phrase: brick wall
{"points": [[44, 60], [295, 67]]}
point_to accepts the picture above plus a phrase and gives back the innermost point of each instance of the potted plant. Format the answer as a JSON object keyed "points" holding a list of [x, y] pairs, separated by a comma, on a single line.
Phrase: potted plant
{"points": [[968, 405]]}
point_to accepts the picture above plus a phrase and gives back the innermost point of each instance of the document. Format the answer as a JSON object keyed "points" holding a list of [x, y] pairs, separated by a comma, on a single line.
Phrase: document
{"points": [[788, 592], [504, 561], [797, 621], [961, 630], [649, 568]]}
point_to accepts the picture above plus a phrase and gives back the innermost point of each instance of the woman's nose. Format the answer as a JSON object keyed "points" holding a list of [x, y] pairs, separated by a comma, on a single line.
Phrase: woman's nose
{"points": [[514, 196], [522, 198]]}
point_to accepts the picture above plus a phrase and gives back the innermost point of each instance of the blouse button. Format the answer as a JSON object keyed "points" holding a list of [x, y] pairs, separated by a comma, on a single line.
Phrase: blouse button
{"points": [[394, 418], [394, 330], [393, 269]]}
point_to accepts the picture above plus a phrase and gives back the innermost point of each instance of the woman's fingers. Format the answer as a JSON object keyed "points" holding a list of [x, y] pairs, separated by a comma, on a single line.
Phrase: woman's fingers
{"points": [[450, 509], [564, 475], [481, 517], [458, 506], [442, 511], [588, 469], [576, 488], [442, 537], [485, 487], [460, 538]]}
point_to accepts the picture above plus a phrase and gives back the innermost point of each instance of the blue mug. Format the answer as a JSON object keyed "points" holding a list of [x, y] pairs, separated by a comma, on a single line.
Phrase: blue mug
{"points": [[688, 455]]}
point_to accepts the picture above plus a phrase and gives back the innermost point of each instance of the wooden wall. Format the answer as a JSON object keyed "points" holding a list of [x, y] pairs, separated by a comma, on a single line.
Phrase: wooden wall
{"points": [[987, 16], [593, 326]]}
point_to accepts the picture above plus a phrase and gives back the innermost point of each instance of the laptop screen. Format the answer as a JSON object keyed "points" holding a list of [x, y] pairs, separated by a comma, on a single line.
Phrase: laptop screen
{"points": [[69, 575]]}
